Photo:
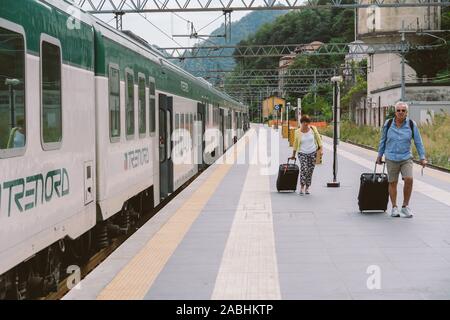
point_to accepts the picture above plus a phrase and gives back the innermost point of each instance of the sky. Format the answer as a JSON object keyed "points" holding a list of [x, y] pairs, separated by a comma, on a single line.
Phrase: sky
{"points": [[171, 24]]}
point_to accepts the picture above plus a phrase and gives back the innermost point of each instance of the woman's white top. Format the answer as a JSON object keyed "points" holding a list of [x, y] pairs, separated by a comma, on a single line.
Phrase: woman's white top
{"points": [[308, 145]]}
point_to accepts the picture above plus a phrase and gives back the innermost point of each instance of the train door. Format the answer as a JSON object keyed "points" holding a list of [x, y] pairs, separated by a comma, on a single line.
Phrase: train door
{"points": [[222, 128], [165, 146], [200, 136], [169, 128]]}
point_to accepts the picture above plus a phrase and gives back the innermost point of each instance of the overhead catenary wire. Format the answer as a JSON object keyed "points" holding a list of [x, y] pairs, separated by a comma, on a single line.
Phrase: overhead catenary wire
{"points": [[174, 13], [111, 20], [210, 23], [160, 30]]}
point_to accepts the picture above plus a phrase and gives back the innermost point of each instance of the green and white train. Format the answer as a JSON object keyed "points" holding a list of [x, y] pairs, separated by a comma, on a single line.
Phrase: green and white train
{"points": [[87, 143]]}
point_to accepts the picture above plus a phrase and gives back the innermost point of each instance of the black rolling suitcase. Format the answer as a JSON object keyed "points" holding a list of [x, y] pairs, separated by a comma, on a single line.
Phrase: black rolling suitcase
{"points": [[288, 177], [373, 191]]}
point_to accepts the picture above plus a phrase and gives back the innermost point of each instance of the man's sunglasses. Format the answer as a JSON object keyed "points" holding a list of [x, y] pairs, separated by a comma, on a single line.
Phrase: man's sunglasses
{"points": [[401, 110]]}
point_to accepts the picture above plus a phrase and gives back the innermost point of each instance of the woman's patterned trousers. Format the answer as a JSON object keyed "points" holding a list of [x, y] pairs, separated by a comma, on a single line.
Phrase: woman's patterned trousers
{"points": [[307, 165]]}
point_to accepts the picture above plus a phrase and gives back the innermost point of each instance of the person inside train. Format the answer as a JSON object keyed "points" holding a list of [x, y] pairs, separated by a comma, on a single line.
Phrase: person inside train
{"points": [[17, 135]]}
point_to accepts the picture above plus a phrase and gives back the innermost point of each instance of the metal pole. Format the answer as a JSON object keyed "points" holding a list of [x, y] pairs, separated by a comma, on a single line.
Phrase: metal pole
{"points": [[12, 111], [281, 113], [315, 95], [315, 85], [402, 98], [379, 111], [299, 108], [251, 104], [364, 113], [260, 107], [287, 111], [119, 17], [335, 133], [287, 118], [336, 97], [278, 112], [276, 121]]}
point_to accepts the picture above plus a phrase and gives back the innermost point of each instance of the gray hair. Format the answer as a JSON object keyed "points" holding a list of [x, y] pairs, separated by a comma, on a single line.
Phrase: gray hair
{"points": [[401, 103]]}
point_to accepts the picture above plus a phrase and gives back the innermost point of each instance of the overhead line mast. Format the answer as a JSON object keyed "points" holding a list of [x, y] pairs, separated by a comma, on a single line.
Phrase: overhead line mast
{"points": [[147, 6]]}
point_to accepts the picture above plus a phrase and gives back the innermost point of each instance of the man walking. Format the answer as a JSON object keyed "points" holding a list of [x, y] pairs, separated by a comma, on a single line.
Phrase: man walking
{"points": [[395, 143]]}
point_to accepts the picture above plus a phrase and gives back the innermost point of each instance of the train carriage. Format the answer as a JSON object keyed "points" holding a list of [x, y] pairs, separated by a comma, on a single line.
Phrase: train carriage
{"points": [[47, 149]]}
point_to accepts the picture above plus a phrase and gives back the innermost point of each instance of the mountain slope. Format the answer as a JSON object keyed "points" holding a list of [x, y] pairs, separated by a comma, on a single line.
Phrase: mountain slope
{"points": [[240, 30]]}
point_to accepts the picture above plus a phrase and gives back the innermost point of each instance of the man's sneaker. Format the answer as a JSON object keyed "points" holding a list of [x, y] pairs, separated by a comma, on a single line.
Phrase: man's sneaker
{"points": [[395, 213], [406, 212]]}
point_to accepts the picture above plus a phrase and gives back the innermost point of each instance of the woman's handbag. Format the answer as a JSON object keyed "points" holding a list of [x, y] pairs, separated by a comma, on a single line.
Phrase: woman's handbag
{"points": [[319, 158]]}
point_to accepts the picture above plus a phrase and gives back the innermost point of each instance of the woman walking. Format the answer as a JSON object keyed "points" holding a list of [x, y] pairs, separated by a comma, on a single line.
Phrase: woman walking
{"points": [[308, 145]]}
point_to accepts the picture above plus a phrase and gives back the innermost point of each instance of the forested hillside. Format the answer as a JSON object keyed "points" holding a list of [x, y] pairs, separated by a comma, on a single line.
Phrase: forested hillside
{"points": [[328, 26], [299, 27], [240, 30], [302, 27]]}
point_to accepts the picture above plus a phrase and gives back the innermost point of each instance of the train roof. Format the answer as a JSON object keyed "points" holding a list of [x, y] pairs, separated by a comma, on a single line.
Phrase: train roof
{"points": [[141, 46]]}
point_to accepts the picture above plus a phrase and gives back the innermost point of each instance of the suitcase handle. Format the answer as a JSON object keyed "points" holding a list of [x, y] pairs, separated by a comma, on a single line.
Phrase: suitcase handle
{"points": [[295, 160], [375, 169], [287, 164]]}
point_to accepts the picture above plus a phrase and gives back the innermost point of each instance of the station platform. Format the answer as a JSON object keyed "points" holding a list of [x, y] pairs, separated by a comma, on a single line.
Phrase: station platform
{"points": [[230, 236]]}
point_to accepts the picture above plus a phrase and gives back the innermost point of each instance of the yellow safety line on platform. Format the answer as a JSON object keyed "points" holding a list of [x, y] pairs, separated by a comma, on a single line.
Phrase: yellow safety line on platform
{"points": [[136, 278]]}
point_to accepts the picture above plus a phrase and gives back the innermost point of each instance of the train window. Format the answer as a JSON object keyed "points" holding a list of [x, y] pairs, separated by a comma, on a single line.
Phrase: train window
{"points": [[191, 125], [169, 134], [177, 121], [51, 95], [217, 116], [141, 108], [152, 104], [188, 129], [12, 94], [129, 111], [176, 133], [182, 127], [114, 103]]}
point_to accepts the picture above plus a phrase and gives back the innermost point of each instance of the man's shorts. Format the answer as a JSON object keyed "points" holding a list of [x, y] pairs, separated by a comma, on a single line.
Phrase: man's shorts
{"points": [[395, 167]]}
